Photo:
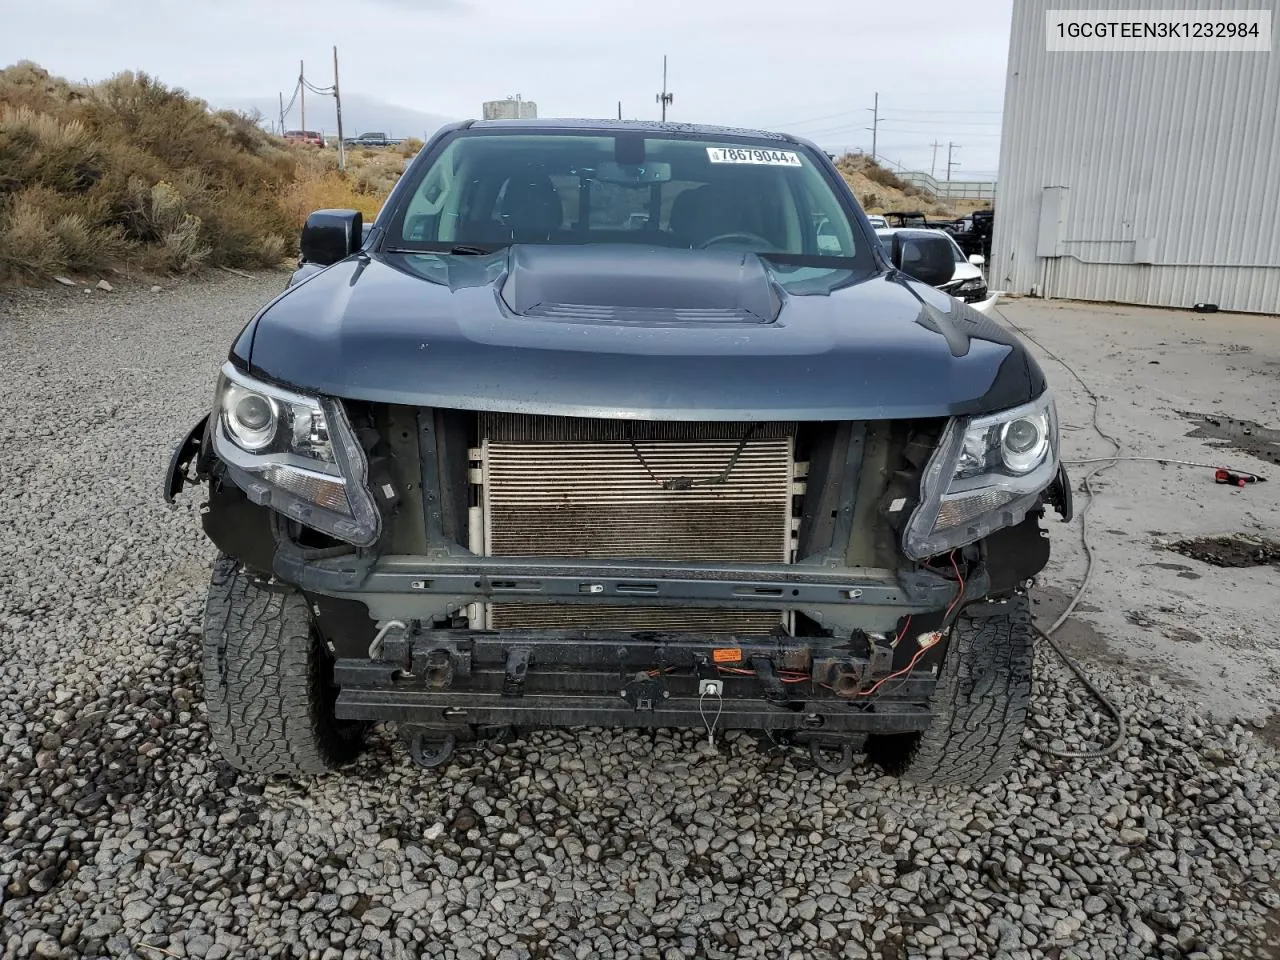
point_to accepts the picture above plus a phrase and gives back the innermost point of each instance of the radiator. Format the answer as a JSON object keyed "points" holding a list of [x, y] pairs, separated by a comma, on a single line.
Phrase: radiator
{"points": [[607, 489]]}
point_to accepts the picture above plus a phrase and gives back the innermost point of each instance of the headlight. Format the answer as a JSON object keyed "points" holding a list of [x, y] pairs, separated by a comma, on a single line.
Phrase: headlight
{"points": [[986, 474], [973, 284], [295, 454]]}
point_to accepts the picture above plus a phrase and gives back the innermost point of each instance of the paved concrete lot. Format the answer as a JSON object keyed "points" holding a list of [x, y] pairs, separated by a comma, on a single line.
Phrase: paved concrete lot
{"points": [[1208, 630], [123, 834]]}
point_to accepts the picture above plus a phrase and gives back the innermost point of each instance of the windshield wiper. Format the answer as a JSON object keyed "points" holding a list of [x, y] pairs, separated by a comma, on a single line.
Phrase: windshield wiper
{"points": [[461, 249]]}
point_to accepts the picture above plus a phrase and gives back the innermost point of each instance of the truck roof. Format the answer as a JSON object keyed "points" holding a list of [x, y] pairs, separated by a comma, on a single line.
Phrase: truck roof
{"points": [[642, 126]]}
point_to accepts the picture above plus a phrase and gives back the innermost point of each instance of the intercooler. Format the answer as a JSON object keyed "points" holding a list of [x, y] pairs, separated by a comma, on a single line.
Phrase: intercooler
{"points": [[607, 489]]}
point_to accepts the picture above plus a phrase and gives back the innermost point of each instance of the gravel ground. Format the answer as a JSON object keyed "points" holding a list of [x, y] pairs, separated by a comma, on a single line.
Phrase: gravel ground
{"points": [[124, 834]]}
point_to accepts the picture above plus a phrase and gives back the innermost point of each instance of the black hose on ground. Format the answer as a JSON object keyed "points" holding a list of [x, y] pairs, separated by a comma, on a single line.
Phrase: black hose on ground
{"points": [[1122, 733]]}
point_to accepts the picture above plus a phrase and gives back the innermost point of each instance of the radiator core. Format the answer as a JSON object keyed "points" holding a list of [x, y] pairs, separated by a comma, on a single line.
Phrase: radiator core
{"points": [[606, 489]]}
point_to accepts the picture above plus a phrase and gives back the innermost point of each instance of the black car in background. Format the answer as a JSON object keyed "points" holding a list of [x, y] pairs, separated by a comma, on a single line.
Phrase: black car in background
{"points": [[629, 424]]}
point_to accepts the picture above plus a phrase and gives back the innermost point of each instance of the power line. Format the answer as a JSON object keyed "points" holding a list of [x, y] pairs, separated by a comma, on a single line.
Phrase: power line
{"points": [[948, 112], [945, 123], [883, 118], [967, 133], [829, 116], [284, 111]]}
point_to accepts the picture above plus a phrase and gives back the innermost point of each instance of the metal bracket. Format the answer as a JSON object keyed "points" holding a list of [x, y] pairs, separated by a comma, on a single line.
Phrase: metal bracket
{"points": [[436, 669], [440, 662], [439, 544], [839, 496], [644, 693], [768, 677], [843, 675], [517, 667], [881, 661]]}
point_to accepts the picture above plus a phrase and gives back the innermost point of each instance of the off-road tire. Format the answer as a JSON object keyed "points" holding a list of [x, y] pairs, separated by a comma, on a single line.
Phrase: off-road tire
{"points": [[979, 705], [266, 680]]}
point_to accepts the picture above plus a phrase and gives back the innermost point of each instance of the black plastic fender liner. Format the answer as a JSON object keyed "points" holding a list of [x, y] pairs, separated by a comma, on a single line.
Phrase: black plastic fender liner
{"points": [[1059, 495], [238, 527], [183, 454], [1015, 554]]}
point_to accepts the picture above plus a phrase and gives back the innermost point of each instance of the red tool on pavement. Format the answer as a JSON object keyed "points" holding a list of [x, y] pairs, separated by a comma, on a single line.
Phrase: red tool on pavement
{"points": [[1222, 475]]}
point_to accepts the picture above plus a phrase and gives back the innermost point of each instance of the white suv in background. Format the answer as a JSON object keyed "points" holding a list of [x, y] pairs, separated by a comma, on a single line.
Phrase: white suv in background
{"points": [[967, 282]]}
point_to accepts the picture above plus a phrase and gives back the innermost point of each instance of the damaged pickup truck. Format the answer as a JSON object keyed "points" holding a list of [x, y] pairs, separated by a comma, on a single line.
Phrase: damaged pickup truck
{"points": [[622, 424]]}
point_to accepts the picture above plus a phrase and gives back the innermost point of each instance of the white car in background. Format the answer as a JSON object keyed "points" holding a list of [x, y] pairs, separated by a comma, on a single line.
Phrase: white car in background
{"points": [[967, 282], [877, 221]]}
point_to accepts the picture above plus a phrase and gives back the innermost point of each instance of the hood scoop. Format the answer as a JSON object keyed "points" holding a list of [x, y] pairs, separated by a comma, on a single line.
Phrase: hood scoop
{"points": [[633, 284]]}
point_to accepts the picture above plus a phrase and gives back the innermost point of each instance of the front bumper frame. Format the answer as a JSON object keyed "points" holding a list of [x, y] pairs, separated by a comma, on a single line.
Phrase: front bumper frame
{"points": [[431, 587], [455, 681]]}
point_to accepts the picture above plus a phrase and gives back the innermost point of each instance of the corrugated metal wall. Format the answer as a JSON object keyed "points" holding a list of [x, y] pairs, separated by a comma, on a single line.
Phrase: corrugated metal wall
{"points": [[1182, 149]]}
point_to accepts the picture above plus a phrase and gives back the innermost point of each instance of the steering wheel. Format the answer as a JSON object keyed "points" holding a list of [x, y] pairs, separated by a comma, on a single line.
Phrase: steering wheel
{"points": [[753, 238]]}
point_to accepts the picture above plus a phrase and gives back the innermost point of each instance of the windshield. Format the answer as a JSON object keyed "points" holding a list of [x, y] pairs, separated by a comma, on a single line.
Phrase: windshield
{"points": [[488, 190]]}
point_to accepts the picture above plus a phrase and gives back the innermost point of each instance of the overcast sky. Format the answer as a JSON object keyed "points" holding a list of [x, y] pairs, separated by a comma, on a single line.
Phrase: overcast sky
{"points": [[807, 66]]}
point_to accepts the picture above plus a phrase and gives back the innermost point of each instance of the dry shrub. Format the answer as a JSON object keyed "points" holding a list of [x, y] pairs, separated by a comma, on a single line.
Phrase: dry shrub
{"points": [[376, 181], [29, 248], [330, 190], [272, 249], [132, 169], [41, 235], [411, 146], [181, 249], [882, 189], [89, 249]]}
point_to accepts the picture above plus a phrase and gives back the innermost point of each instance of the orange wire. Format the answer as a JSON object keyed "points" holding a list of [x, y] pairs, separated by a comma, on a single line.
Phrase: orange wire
{"points": [[923, 650], [959, 593]]}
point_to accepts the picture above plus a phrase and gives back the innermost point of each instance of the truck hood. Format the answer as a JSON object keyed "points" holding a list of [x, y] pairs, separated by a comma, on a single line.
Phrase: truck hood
{"points": [[636, 332]]}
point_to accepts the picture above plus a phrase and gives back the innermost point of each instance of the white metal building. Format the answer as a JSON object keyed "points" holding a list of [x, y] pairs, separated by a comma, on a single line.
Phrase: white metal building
{"points": [[512, 108], [1139, 177]]}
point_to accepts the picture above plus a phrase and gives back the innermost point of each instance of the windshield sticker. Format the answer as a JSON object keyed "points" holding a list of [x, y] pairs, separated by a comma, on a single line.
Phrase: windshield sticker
{"points": [[771, 158]]}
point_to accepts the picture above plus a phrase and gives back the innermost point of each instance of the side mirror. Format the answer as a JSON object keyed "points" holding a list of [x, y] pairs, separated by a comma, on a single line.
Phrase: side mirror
{"points": [[977, 259], [331, 235], [926, 258]]}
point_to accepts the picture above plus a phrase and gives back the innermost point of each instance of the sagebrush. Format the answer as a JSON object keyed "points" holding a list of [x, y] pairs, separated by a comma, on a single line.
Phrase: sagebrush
{"points": [[130, 174]]}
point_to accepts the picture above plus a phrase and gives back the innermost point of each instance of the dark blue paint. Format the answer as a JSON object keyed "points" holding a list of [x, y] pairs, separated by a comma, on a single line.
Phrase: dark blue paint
{"points": [[370, 328]]}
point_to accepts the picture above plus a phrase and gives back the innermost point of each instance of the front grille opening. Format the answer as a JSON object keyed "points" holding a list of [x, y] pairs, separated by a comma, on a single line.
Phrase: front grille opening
{"points": [[643, 490]]}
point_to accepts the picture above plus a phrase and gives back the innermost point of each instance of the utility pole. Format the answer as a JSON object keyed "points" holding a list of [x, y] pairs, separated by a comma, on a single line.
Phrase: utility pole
{"points": [[664, 97], [337, 99], [875, 123], [302, 94], [619, 109], [933, 164], [951, 163]]}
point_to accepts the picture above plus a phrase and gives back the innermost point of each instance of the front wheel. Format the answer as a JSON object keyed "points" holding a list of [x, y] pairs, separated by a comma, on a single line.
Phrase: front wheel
{"points": [[979, 706], [267, 680]]}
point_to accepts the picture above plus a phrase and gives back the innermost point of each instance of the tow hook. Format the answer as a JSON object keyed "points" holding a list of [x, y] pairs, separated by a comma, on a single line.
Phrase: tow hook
{"points": [[429, 749], [833, 758]]}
